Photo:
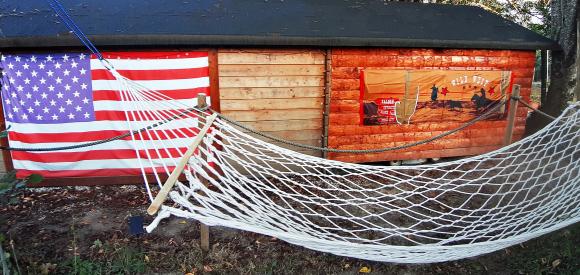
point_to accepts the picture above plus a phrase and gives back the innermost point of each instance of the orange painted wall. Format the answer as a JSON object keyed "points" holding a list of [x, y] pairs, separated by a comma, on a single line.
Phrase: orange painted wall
{"points": [[345, 131]]}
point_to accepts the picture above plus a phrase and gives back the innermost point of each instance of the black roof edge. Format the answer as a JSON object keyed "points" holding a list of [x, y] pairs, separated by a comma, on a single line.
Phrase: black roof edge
{"points": [[41, 42]]}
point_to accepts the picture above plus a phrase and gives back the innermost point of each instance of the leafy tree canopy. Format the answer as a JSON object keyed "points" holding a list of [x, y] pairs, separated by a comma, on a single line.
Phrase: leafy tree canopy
{"points": [[533, 14]]}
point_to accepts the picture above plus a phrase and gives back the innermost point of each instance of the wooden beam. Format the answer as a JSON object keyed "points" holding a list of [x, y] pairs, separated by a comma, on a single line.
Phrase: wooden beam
{"points": [[271, 58], [511, 120], [272, 104], [248, 93], [285, 125], [271, 70], [283, 114], [271, 81], [214, 80], [6, 156]]}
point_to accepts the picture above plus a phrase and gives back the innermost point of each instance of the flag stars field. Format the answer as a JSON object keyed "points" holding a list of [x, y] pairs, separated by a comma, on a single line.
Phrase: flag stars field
{"points": [[59, 77]]}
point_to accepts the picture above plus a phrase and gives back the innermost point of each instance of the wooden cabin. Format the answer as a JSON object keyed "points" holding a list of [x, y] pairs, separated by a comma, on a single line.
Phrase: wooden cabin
{"points": [[338, 74]]}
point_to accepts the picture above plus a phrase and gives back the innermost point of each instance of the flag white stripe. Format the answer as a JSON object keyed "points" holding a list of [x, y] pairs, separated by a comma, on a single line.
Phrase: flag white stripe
{"points": [[156, 85], [90, 164], [153, 64], [75, 127], [113, 145], [113, 105]]}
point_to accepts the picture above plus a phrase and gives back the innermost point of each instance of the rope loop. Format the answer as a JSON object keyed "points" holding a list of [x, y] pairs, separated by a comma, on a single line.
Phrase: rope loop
{"points": [[107, 64]]}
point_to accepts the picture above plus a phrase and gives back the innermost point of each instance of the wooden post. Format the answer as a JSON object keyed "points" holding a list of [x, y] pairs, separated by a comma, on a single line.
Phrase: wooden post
{"points": [[327, 87], [6, 156], [204, 229], [214, 80], [511, 120], [201, 101]]}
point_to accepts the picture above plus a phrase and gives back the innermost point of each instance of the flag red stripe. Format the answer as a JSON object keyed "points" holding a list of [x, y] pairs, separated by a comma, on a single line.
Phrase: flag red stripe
{"points": [[152, 55], [100, 135], [140, 115], [173, 94], [102, 74]]}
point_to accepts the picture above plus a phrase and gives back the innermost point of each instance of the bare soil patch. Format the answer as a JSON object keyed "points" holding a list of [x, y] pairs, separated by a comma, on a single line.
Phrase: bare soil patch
{"points": [[85, 231]]}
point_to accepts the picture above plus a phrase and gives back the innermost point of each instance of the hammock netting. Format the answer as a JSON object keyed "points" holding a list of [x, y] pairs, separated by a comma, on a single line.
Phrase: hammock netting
{"points": [[415, 214]]}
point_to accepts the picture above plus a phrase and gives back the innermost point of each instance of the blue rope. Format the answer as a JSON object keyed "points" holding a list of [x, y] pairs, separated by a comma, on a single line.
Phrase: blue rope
{"points": [[71, 25], [67, 20]]}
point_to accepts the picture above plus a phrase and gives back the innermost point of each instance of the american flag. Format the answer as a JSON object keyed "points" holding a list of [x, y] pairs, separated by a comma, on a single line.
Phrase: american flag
{"points": [[61, 99]]}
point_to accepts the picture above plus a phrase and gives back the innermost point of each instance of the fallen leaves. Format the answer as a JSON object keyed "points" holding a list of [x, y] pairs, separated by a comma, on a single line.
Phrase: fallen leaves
{"points": [[365, 269]]}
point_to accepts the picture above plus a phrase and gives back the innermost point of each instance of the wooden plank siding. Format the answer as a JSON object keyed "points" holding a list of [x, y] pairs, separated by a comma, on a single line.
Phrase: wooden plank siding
{"points": [[345, 131], [280, 92]]}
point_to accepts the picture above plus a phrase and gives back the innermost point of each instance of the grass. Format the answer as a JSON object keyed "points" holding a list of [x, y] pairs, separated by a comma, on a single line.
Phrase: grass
{"points": [[556, 253], [123, 260]]}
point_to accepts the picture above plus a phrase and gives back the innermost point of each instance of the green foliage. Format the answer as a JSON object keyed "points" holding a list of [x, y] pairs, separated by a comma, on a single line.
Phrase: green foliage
{"points": [[78, 266], [97, 244], [127, 260], [34, 178], [9, 182]]}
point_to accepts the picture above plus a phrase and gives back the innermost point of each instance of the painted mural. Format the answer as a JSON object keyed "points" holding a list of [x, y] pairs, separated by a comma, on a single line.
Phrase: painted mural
{"points": [[395, 97]]}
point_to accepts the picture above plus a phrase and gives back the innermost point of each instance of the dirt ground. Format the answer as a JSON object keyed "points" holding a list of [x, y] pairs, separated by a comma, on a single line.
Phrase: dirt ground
{"points": [[85, 231]]}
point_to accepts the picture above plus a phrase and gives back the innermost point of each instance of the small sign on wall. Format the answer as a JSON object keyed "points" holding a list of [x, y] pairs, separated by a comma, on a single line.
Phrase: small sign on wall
{"points": [[395, 97]]}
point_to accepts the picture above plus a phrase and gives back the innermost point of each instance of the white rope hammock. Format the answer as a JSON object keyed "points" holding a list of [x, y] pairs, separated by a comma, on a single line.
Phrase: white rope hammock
{"points": [[417, 214]]}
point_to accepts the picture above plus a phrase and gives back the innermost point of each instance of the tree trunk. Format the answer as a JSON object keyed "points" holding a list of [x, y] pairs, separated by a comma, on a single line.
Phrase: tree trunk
{"points": [[564, 15]]}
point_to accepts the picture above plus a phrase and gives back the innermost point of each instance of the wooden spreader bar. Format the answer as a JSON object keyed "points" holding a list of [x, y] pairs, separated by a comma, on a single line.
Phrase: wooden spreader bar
{"points": [[162, 195]]}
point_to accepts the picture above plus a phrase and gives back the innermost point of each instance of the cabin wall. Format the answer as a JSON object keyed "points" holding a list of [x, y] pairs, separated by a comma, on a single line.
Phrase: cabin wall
{"points": [[280, 92], [345, 131]]}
